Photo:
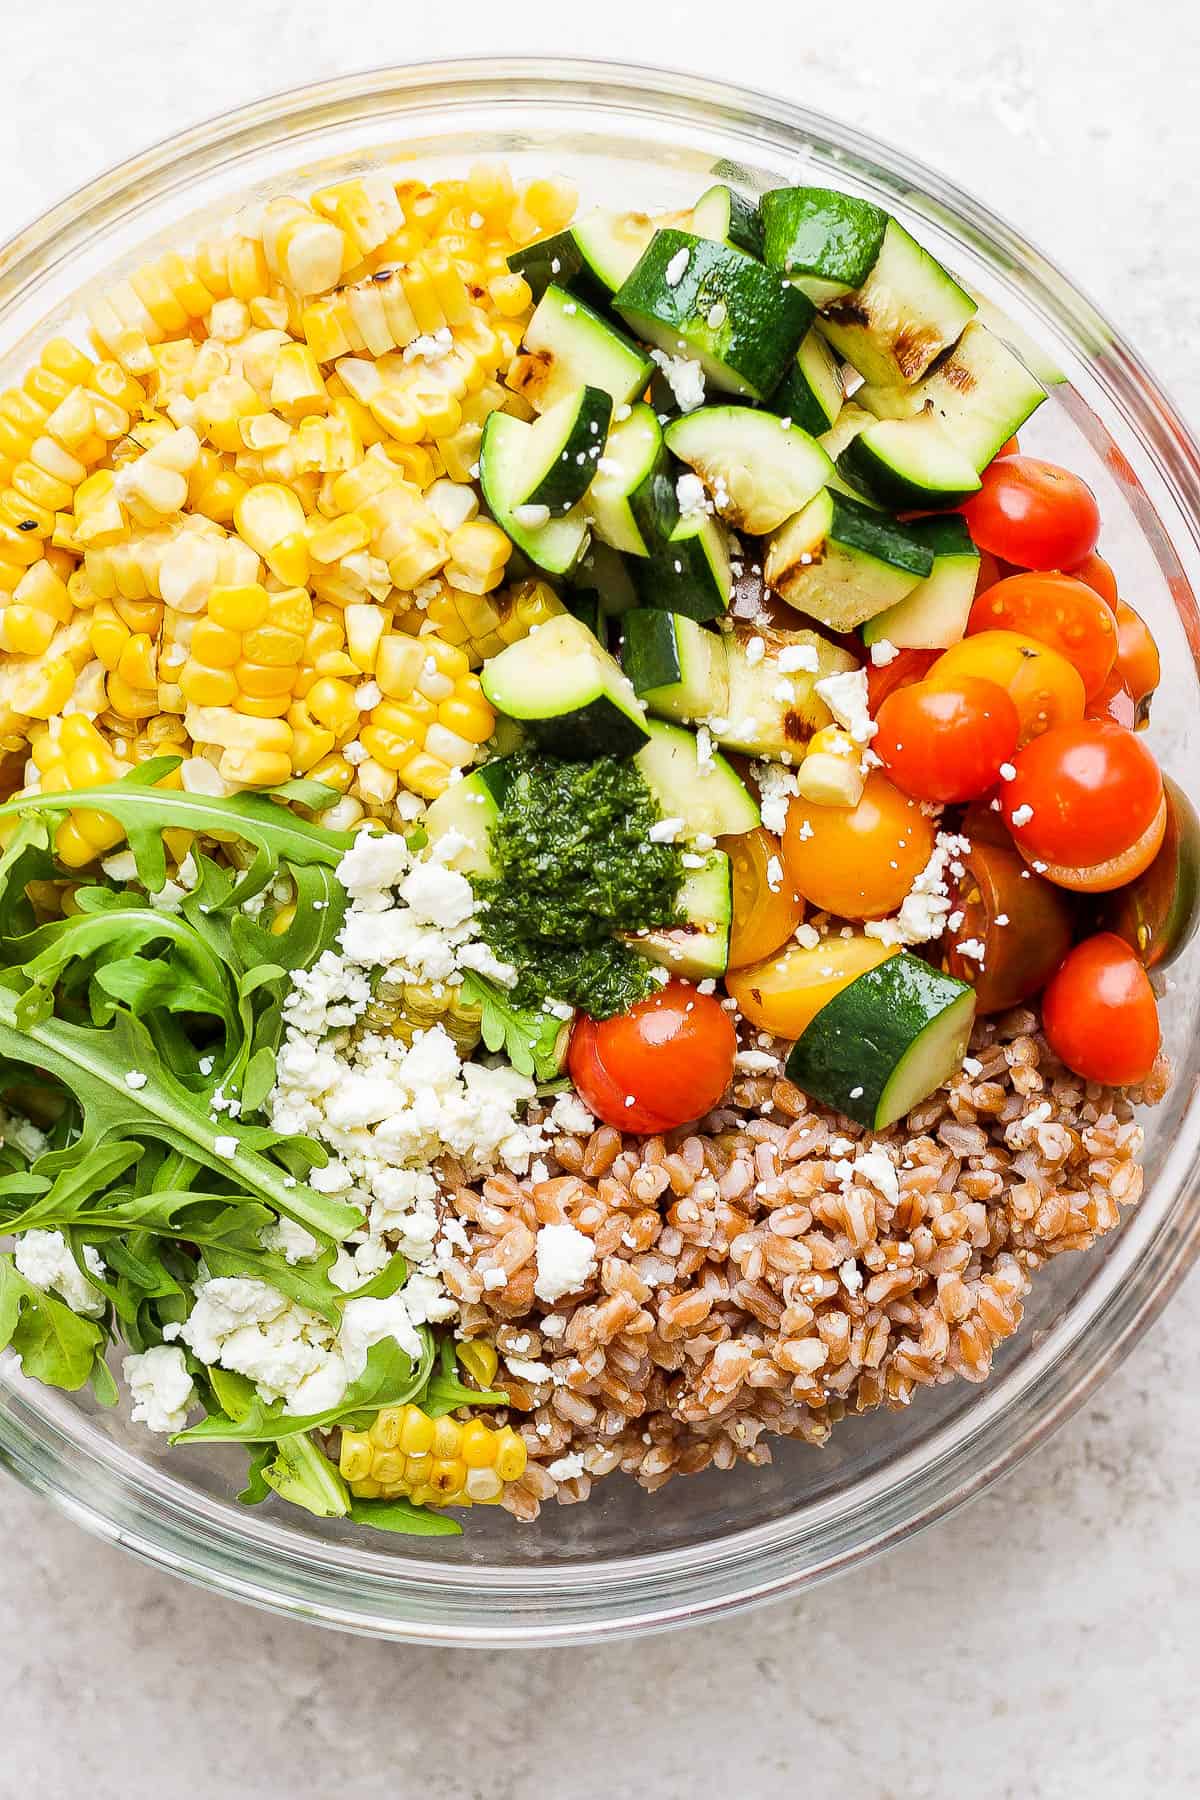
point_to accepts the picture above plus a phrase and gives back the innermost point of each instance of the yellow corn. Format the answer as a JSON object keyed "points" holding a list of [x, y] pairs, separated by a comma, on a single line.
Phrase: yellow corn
{"points": [[483, 624], [75, 755], [434, 1462]]}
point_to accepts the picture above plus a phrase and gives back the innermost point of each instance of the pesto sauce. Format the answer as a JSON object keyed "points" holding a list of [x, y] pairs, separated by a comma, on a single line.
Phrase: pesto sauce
{"points": [[575, 864]]}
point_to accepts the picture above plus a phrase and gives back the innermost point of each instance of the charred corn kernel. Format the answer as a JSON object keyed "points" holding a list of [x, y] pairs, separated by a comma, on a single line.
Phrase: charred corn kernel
{"points": [[443, 1462], [366, 210], [306, 252], [479, 551], [271, 520], [480, 1360], [511, 295], [405, 1008]]}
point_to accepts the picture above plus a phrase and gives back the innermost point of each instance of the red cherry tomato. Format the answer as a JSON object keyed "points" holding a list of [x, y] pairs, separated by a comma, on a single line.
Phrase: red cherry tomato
{"points": [[1033, 513], [1100, 1014], [1056, 610], [1114, 701], [667, 1060], [947, 743], [1082, 794], [1098, 575], [1010, 448], [991, 570], [1137, 662], [905, 667]]}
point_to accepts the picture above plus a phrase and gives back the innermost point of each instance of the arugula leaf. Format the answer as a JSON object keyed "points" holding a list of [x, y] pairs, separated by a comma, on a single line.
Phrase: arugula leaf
{"points": [[535, 1042], [389, 1379], [403, 1516], [146, 812], [446, 1393], [55, 1345]]}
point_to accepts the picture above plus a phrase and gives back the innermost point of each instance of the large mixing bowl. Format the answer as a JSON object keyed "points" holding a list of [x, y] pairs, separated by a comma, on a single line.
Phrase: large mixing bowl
{"points": [[627, 1561]]}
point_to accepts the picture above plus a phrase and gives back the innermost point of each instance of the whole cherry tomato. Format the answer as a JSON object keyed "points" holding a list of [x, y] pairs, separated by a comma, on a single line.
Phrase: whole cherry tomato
{"points": [[906, 666], [858, 861], [1137, 662], [1033, 513], [1045, 688], [766, 906], [1114, 701], [947, 743], [1100, 1014], [1087, 802], [1056, 610], [666, 1061], [1098, 575], [991, 570]]}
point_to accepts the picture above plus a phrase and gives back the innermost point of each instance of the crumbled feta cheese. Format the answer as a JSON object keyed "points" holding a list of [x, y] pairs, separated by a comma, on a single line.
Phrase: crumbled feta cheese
{"points": [[535, 1373], [161, 1388], [438, 896], [685, 379], [845, 694], [565, 1260], [975, 948], [972, 1066], [807, 936], [225, 1145], [691, 495], [44, 1258], [285, 1235], [795, 657], [531, 517], [1021, 816], [135, 1079], [883, 653], [755, 1062], [665, 831], [566, 1468], [676, 269], [925, 909], [1008, 771], [774, 874], [431, 347], [776, 786], [569, 1114], [755, 650], [877, 1167]]}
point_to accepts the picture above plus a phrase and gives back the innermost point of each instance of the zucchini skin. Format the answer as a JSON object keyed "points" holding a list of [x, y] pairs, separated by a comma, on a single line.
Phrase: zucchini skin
{"points": [[594, 729]]}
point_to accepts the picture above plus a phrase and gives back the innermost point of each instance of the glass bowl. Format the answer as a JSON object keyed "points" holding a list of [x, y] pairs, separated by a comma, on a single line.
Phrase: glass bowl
{"points": [[625, 1561]]}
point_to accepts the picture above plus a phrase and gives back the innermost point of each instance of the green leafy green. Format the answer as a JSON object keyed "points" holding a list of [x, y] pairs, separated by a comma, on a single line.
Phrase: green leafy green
{"points": [[55, 1345], [403, 1516], [534, 1041], [298, 1471]]}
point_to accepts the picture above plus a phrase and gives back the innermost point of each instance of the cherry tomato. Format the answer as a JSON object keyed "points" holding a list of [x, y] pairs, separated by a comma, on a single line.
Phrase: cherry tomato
{"points": [[1023, 923], [1082, 794], [1138, 662], [785, 993], [860, 861], [1033, 514], [1098, 575], [766, 906], [905, 666], [667, 1060], [991, 570], [1010, 448], [1100, 1014], [1114, 871], [1045, 688], [1114, 701], [1157, 913], [947, 743], [1056, 610]]}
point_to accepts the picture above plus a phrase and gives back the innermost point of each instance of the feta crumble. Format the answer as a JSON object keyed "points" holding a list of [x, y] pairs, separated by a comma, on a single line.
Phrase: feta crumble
{"points": [[44, 1258], [684, 377], [565, 1261], [162, 1391]]}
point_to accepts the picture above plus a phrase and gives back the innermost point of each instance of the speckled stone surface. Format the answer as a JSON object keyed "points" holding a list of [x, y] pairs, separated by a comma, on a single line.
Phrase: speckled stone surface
{"points": [[1041, 1645]]}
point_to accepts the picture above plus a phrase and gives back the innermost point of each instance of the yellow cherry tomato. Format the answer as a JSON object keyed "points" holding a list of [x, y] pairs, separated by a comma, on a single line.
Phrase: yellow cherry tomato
{"points": [[766, 906], [858, 861], [785, 993], [1045, 688]]}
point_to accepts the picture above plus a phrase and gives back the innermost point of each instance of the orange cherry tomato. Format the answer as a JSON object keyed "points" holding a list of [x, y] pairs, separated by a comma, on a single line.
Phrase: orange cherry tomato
{"points": [[1115, 871], [1010, 448], [784, 993], [1082, 794], [1138, 662], [1098, 575], [766, 906], [858, 862], [1100, 1014], [1114, 701], [1033, 513], [906, 666], [666, 1061], [1059, 611], [947, 743], [1045, 688]]}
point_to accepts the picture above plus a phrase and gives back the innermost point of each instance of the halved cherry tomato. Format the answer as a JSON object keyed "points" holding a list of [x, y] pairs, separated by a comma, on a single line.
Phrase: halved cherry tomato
{"points": [[905, 667], [1100, 1014], [1114, 701], [667, 1060], [766, 906], [858, 861], [1024, 924], [1098, 575], [1033, 513], [1115, 871], [1158, 912], [947, 743], [1056, 610], [1045, 688], [1138, 662], [785, 993], [1082, 795]]}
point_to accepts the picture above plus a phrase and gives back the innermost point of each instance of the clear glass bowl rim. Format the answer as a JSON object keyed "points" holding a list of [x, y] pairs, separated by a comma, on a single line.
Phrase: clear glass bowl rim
{"points": [[421, 1600]]}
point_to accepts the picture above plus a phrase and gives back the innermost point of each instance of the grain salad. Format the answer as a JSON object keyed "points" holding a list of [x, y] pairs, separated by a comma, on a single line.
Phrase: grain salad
{"points": [[583, 886]]}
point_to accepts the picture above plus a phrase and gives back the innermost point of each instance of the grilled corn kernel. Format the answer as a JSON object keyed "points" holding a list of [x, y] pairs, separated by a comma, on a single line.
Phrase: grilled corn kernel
{"points": [[441, 1462]]}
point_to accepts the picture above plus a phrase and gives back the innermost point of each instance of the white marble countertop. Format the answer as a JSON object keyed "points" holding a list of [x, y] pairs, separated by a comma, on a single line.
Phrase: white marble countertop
{"points": [[1041, 1645]]}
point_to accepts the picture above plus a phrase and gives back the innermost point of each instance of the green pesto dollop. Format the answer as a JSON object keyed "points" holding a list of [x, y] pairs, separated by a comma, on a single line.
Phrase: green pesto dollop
{"points": [[575, 864]]}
